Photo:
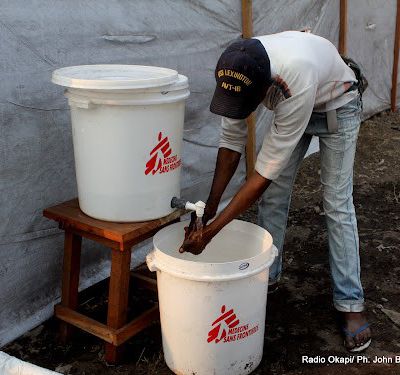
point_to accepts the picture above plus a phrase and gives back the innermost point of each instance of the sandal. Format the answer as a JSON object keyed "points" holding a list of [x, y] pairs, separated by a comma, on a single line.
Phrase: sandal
{"points": [[362, 346]]}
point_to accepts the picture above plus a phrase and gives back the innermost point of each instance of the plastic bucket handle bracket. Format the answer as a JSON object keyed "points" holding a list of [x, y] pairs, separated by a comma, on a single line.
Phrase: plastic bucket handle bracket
{"points": [[151, 262]]}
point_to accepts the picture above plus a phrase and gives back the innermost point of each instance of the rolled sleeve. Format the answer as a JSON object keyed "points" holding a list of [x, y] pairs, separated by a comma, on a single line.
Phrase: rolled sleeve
{"points": [[233, 134], [291, 119]]}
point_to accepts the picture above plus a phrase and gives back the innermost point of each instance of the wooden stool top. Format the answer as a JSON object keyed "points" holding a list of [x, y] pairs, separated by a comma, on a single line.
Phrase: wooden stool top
{"points": [[115, 235]]}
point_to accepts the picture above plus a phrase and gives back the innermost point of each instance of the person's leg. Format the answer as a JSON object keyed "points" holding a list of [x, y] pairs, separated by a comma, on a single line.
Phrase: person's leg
{"points": [[274, 205], [337, 151]]}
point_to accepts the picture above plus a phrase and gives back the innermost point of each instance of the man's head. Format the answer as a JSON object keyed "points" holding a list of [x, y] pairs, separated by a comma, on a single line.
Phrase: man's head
{"points": [[243, 75]]}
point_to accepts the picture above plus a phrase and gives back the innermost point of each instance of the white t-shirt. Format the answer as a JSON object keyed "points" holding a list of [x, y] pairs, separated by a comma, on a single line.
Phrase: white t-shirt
{"points": [[309, 75]]}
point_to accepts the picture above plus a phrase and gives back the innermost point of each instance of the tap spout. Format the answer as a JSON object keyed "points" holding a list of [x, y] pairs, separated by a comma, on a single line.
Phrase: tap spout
{"points": [[198, 207]]}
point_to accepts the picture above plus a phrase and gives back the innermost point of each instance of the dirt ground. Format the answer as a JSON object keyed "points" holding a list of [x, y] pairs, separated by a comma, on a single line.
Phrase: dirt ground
{"points": [[300, 319]]}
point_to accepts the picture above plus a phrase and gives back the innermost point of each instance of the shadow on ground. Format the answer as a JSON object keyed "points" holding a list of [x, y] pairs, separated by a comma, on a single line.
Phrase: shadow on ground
{"points": [[300, 317]]}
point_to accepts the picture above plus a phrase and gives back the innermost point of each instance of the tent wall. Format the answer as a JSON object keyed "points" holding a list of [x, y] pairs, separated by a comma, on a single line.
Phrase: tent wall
{"points": [[36, 158]]}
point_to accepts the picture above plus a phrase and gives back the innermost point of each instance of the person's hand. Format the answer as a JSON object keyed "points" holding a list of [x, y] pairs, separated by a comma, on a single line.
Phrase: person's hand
{"points": [[209, 213], [195, 241]]}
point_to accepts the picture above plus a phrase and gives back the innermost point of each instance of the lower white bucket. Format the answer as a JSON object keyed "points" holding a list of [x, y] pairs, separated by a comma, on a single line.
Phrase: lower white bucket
{"points": [[212, 306]]}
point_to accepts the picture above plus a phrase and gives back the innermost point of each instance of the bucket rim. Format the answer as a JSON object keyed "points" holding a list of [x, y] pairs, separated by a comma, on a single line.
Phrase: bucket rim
{"points": [[233, 222], [180, 84], [172, 93], [209, 278], [113, 76], [212, 271]]}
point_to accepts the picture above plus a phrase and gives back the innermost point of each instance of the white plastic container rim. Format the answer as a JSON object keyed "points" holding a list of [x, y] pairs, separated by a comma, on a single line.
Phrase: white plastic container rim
{"points": [[210, 272], [13, 366], [114, 77], [175, 92]]}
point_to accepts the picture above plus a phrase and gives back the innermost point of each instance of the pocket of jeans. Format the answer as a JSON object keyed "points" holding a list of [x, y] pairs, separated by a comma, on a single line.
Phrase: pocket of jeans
{"points": [[350, 109]]}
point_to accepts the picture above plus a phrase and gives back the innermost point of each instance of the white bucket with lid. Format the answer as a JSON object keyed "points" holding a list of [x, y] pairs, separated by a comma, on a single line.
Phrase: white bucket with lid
{"points": [[212, 306], [127, 124]]}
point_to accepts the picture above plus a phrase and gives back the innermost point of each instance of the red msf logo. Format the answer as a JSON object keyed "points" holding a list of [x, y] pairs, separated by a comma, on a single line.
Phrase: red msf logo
{"points": [[156, 161], [161, 160], [222, 325]]}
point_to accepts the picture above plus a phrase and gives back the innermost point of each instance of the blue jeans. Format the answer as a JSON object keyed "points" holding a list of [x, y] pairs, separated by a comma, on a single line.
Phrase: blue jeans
{"points": [[337, 151]]}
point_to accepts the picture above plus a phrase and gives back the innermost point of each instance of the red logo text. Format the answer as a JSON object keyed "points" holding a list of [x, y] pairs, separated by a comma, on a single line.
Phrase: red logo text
{"points": [[161, 158], [227, 328]]}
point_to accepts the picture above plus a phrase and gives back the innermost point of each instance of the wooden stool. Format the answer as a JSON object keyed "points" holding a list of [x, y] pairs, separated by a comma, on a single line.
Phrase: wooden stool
{"points": [[120, 237]]}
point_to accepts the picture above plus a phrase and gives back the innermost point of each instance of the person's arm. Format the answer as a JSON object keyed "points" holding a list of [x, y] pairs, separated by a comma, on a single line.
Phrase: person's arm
{"points": [[244, 198], [291, 119], [227, 163], [250, 191], [231, 145]]}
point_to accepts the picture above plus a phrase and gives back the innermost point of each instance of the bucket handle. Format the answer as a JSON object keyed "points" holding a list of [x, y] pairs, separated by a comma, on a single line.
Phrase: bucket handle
{"points": [[78, 102], [275, 251], [151, 262], [85, 104]]}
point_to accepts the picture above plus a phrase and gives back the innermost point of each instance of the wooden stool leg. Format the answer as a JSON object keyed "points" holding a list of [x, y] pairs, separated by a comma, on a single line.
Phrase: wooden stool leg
{"points": [[118, 298], [70, 280]]}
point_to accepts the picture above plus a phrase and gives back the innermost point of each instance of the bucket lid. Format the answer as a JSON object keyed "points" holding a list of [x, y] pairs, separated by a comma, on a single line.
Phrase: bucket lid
{"points": [[240, 250], [84, 98], [114, 77], [180, 84]]}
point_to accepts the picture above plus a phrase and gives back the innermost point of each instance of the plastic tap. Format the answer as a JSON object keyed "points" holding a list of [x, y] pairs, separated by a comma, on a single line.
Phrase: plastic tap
{"points": [[197, 207]]}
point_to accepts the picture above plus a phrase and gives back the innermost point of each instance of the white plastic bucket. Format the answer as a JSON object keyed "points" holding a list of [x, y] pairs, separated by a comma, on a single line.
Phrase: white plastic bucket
{"points": [[212, 306], [127, 123], [13, 366]]}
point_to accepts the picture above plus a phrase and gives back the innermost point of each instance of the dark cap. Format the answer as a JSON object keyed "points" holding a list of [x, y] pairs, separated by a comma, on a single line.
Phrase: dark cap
{"points": [[243, 73]]}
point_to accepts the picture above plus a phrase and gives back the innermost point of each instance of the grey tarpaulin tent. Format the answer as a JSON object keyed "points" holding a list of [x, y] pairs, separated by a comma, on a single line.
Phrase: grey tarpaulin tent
{"points": [[36, 158]]}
